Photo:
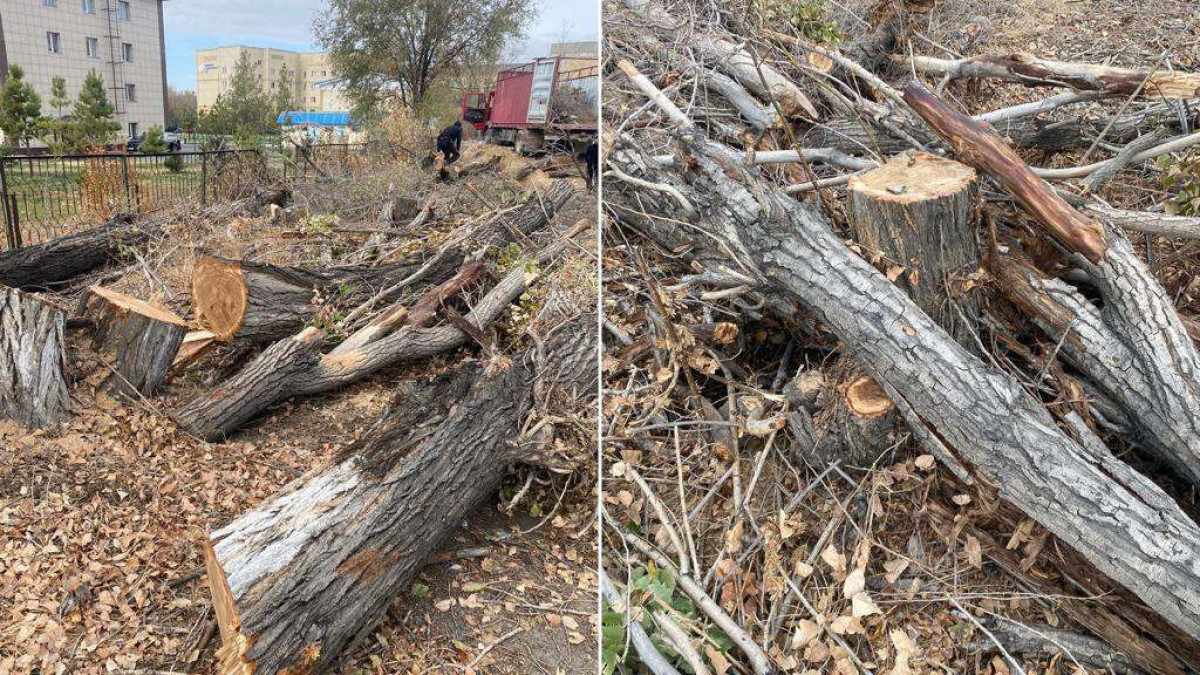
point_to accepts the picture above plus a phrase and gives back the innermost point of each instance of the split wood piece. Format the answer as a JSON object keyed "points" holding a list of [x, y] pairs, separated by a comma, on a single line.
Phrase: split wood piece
{"points": [[33, 362], [476, 167], [1159, 381], [1161, 412], [257, 303], [979, 421], [855, 427], [1032, 71], [141, 339], [195, 345], [295, 366], [761, 117], [302, 578], [916, 216]]}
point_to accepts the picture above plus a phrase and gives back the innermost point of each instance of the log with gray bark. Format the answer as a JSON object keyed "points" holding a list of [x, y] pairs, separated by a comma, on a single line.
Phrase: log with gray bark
{"points": [[978, 420], [1139, 350], [140, 340], [302, 578], [71, 255], [33, 385]]}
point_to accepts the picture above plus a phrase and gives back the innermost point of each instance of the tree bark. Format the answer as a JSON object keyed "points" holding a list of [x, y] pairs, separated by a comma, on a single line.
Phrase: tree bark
{"points": [[1139, 350], [1032, 71], [978, 421], [916, 217], [33, 387], [304, 577], [856, 424], [257, 303], [141, 339]]}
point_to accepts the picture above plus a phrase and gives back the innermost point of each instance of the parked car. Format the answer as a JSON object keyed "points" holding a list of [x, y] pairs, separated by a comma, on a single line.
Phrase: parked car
{"points": [[174, 138]]}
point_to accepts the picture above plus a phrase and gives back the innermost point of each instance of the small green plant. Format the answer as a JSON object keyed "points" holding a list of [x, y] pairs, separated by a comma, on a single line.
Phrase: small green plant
{"points": [[174, 163], [652, 591], [1181, 178], [153, 143], [807, 17]]}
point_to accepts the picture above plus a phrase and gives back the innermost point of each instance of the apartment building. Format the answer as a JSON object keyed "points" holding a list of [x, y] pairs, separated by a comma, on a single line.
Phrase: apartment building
{"points": [[122, 40], [315, 87]]}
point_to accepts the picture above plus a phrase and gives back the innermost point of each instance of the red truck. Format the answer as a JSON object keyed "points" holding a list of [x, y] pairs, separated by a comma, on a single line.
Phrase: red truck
{"points": [[526, 106]]}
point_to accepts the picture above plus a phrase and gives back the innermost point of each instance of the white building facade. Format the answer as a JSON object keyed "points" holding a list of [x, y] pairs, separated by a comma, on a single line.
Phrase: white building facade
{"points": [[122, 40]]}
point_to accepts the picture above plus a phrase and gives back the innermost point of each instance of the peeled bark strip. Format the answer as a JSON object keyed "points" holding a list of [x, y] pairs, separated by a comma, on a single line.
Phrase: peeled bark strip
{"points": [[257, 303], [917, 213], [977, 420], [304, 577], [1152, 366], [33, 388], [141, 339], [1032, 71]]}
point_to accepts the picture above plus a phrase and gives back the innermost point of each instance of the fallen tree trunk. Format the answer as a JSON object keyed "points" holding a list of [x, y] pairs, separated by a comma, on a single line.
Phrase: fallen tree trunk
{"points": [[978, 421], [363, 529], [33, 387], [1032, 71], [1147, 361], [70, 255], [294, 366], [141, 339], [257, 303], [915, 216]]}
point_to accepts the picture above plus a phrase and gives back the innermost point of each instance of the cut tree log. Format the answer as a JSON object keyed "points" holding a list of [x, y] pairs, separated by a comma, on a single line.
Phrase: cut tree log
{"points": [[979, 421], [70, 255], [756, 76], [141, 339], [257, 303], [303, 577], [916, 217], [1032, 71], [33, 386], [1156, 373], [856, 424], [294, 366]]}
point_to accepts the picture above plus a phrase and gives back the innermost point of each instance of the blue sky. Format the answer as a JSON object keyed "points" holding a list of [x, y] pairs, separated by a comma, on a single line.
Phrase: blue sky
{"points": [[287, 24]]}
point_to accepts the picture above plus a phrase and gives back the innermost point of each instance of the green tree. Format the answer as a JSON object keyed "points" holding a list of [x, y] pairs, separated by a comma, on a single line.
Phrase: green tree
{"points": [[92, 121], [283, 91], [243, 110], [379, 44], [181, 109], [153, 143], [59, 98], [20, 108]]}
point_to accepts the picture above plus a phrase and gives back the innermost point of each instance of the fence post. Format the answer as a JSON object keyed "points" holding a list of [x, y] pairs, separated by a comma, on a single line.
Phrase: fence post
{"points": [[9, 232], [203, 179], [125, 180]]}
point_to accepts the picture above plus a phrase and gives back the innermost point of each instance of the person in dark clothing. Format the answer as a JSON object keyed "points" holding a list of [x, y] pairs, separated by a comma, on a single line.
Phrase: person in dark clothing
{"points": [[591, 156], [449, 142]]}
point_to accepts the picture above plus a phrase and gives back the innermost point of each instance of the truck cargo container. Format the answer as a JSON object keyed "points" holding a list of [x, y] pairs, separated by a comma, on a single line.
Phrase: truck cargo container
{"points": [[537, 103]]}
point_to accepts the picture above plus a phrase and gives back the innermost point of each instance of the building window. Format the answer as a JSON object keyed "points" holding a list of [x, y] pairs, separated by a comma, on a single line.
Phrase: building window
{"points": [[130, 92], [122, 10], [133, 128], [53, 43], [50, 3], [89, 6], [126, 51], [93, 47]]}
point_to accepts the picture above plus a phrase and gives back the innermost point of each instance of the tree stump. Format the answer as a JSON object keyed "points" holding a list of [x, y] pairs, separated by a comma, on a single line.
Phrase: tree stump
{"points": [[141, 339], [33, 388], [915, 217]]}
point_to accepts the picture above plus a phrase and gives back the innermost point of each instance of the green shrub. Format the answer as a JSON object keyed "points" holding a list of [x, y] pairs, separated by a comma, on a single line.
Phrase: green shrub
{"points": [[1181, 178]]}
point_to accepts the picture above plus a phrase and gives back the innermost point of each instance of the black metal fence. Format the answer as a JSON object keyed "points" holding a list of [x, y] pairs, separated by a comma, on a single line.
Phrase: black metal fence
{"points": [[43, 197]]}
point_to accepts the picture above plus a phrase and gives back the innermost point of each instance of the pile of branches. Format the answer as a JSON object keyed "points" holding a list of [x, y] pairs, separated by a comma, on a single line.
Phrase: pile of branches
{"points": [[816, 264], [299, 580]]}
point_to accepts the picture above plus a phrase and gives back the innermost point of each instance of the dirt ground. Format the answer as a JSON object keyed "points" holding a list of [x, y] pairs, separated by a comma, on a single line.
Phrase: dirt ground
{"points": [[101, 520]]}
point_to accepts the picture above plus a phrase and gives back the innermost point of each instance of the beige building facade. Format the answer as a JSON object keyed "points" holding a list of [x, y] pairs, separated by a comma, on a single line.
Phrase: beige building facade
{"points": [[122, 40], [315, 87]]}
